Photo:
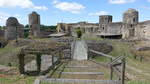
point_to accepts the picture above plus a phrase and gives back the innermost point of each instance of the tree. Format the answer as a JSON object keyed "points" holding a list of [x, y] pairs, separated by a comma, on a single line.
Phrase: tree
{"points": [[79, 32]]}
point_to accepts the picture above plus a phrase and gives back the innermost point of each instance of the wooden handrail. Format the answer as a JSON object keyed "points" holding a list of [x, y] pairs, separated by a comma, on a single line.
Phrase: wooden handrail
{"points": [[100, 53]]}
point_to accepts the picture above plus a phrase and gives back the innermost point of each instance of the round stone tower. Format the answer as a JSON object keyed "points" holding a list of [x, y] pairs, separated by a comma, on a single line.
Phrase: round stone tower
{"points": [[34, 24], [105, 19], [11, 28], [131, 16], [12, 21]]}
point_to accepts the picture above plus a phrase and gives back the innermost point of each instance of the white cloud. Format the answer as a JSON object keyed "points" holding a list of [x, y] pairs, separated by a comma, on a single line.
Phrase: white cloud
{"points": [[5, 16], [72, 7], [120, 1], [146, 7], [20, 3], [99, 13]]}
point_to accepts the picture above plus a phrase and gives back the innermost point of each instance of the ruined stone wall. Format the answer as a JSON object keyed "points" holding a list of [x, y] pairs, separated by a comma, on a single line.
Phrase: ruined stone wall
{"points": [[2, 33], [85, 28], [62, 27], [142, 30], [112, 28], [129, 28], [70, 28]]}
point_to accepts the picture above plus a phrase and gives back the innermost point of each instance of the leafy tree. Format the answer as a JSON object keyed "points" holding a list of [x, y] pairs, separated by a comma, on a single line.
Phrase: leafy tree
{"points": [[27, 26]]}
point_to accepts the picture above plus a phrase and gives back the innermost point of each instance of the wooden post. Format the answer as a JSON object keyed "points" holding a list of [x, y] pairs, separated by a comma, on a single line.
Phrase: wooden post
{"points": [[123, 71], [141, 58], [38, 61], [111, 71], [135, 56], [60, 55], [21, 63], [52, 59]]}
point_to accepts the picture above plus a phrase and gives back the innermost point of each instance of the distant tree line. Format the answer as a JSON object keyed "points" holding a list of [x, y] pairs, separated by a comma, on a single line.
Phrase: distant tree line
{"points": [[43, 28], [2, 27]]}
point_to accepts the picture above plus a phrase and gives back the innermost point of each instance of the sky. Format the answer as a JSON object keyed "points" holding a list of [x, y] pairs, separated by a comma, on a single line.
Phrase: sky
{"points": [[71, 11]]}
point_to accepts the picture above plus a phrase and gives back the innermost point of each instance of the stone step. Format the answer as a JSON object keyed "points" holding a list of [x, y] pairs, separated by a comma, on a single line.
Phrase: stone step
{"points": [[83, 70], [81, 66], [84, 73], [82, 76], [79, 81]]}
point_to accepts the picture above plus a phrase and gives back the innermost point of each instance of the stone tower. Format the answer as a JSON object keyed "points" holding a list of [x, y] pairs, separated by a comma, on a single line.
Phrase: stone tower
{"points": [[131, 16], [13, 29], [34, 24], [105, 19], [130, 21]]}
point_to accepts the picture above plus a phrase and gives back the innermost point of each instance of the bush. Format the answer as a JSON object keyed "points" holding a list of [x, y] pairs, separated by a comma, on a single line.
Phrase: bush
{"points": [[79, 32], [26, 34]]}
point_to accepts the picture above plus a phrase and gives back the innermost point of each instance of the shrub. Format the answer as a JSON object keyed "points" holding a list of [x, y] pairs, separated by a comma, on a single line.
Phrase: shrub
{"points": [[79, 32]]}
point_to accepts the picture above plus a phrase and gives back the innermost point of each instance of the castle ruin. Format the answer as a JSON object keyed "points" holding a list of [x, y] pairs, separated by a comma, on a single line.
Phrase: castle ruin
{"points": [[129, 28]]}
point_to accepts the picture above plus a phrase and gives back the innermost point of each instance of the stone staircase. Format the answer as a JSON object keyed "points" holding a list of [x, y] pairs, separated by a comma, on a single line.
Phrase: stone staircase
{"points": [[80, 72]]}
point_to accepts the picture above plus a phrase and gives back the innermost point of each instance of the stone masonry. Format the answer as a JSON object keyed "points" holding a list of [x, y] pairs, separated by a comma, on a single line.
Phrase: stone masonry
{"points": [[34, 24], [13, 29], [130, 27]]}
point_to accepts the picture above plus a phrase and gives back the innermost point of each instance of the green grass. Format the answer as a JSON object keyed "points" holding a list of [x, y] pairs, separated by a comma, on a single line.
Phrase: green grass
{"points": [[17, 80], [101, 59], [48, 83], [137, 82], [9, 55], [91, 38]]}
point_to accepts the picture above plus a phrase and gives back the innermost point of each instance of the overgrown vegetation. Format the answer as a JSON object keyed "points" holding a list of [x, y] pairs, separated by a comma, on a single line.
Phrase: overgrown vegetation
{"points": [[79, 32]]}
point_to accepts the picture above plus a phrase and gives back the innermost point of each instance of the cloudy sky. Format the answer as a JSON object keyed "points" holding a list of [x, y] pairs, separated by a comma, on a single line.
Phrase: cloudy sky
{"points": [[54, 11]]}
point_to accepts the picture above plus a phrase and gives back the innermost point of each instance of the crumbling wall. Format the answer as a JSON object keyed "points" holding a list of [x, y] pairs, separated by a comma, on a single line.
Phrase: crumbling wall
{"points": [[112, 28], [142, 30]]}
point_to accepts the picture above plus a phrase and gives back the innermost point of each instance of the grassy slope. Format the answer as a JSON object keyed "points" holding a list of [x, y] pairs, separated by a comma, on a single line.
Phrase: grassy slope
{"points": [[9, 55], [124, 48]]}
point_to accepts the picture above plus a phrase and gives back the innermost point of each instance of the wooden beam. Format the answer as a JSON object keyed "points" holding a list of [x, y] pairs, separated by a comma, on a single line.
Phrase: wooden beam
{"points": [[117, 59], [117, 64], [100, 53]]}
